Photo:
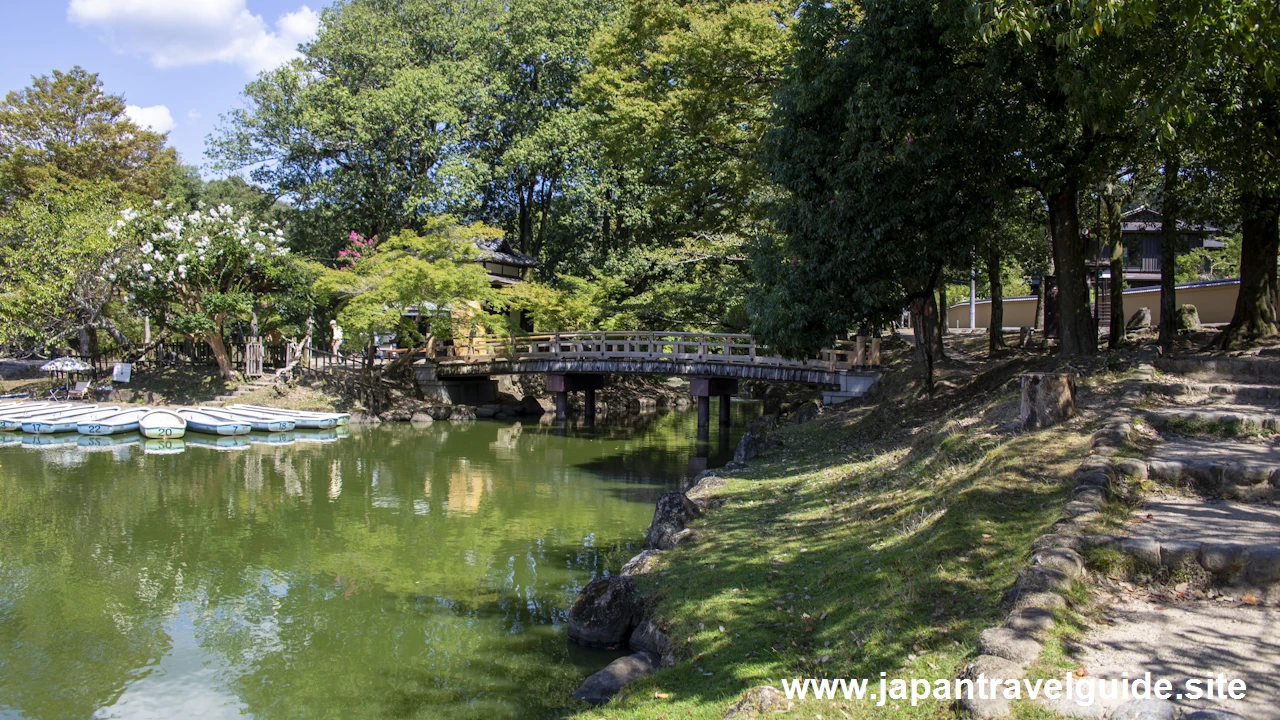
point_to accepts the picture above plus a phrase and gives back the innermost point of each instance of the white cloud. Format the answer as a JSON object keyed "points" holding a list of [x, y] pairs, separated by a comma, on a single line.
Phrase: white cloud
{"points": [[194, 32], [153, 117], [193, 115]]}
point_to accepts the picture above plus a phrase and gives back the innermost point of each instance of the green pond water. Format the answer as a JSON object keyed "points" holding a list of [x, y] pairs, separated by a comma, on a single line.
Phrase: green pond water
{"points": [[397, 572]]}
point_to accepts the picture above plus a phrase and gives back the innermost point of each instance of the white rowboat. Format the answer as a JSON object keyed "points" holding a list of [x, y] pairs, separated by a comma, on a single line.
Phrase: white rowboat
{"points": [[338, 418], [66, 421], [203, 422], [258, 421], [162, 424], [12, 419], [120, 422]]}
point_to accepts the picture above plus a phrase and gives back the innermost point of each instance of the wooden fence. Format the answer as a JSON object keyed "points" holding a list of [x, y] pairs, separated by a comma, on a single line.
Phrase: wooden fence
{"points": [[192, 354]]}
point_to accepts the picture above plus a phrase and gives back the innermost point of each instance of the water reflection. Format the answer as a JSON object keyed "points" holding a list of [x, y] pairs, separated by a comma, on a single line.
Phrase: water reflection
{"points": [[406, 572]]}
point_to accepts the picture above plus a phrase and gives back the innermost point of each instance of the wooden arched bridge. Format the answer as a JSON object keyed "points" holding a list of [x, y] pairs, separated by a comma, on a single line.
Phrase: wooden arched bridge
{"points": [[714, 362]]}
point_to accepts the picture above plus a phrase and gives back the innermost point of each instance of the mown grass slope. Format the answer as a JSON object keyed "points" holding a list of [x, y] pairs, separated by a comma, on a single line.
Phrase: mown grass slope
{"points": [[876, 539]]}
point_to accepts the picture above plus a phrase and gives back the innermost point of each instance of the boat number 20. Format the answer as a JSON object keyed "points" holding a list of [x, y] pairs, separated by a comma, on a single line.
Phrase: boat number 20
{"points": [[164, 431]]}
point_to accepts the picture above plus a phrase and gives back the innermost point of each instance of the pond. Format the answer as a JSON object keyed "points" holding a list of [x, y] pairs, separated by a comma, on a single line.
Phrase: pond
{"points": [[407, 572]]}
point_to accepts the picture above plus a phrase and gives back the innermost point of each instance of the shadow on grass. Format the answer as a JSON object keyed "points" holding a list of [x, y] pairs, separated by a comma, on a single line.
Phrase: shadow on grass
{"points": [[867, 542]]}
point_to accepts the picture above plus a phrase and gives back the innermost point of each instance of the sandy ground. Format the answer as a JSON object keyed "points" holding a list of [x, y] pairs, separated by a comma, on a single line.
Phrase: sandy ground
{"points": [[1141, 634]]}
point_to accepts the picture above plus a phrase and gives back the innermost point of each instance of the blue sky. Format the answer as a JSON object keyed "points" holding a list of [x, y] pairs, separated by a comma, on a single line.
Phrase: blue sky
{"points": [[178, 63]]}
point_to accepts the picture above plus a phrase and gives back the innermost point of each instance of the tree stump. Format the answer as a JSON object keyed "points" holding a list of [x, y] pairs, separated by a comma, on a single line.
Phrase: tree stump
{"points": [[1024, 337], [1047, 399]]}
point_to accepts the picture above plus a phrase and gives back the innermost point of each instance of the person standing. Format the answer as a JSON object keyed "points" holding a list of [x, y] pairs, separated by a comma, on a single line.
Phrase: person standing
{"points": [[337, 335]]}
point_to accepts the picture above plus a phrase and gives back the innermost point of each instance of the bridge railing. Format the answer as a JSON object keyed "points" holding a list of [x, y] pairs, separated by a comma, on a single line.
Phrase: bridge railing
{"points": [[727, 348]]}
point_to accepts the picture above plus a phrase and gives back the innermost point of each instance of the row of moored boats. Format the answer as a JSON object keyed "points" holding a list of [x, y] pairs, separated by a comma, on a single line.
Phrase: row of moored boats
{"points": [[40, 418]]}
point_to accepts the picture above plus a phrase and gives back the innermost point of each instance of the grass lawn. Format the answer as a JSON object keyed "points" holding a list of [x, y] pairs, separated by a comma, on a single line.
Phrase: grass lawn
{"points": [[876, 539]]}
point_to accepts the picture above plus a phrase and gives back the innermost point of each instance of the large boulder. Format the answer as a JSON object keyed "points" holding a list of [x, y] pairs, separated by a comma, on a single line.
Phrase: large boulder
{"points": [[535, 406], [605, 684], [1140, 320], [462, 413], [673, 514], [1188, 318], [807, 412], [756, 438], [650, 638], [439, 412], [606, 612]]}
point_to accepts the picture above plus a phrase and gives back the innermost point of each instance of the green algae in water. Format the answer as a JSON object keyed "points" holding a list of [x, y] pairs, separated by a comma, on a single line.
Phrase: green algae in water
{"points": [[397, 573]]}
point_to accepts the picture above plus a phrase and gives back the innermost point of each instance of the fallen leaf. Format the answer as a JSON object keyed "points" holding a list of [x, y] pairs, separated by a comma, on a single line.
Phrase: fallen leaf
{"points": [[1249, 599], [1081, 672], [661, 696], [917, 648]]}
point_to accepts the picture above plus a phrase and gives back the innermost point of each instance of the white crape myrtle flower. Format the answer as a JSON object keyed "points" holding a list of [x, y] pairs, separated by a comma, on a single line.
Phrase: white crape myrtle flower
{"points": [[146, 267], [128, 214], [259, 247], [147, 248]]}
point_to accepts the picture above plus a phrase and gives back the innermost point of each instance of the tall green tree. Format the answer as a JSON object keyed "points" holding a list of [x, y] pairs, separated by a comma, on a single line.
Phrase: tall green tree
{"points": [[367, 132], [64, 128], [530, 141], [58, 255], [883, 134]]}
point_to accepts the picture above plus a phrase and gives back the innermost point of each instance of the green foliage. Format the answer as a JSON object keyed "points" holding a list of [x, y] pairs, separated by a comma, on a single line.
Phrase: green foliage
{"points": [[64, 129], [574, 303], [194, 272], [56, 256], [886, 169], [435, 273], [1211, 263], [364, 129]]}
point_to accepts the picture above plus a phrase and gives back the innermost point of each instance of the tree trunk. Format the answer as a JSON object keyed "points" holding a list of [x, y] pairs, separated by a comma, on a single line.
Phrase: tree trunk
{"points": [[214, 338], [1075, 321], [1169, 239], [1039, 319], [940, 351], [1255, 314], [525, 219], [86, 349], [995, 329], [1112, 228]]}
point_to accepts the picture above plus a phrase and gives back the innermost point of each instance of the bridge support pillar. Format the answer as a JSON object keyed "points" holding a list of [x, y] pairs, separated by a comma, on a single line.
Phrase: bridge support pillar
{"points": [[589, 405], [564, 383], [703, 388]]}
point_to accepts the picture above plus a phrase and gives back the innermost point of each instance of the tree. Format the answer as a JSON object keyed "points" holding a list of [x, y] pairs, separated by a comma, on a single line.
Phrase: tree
{"points": [[58, 251], [198, 271], [882, 135], [64, 129], [435, 273], [1068, 97], [530, 137], [369, 131]]}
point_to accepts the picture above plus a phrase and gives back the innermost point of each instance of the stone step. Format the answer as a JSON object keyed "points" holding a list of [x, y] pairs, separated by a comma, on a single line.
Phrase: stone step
{"points": [[1248, 565], [1190, 390], [1238, 475], [1214, 419], [1243, 369]]}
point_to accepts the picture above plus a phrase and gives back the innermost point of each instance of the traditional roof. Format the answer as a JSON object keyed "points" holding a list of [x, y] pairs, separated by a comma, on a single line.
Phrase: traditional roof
{"points": [[1144, 219], [500, 251]]}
